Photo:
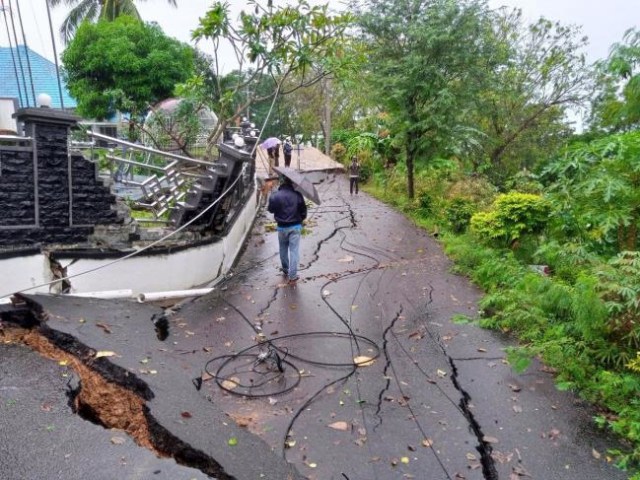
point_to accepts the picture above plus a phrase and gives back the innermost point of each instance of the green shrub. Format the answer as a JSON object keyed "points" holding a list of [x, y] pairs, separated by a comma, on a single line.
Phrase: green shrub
{"points": [[425, 203], [511, 215], [458, 214]]}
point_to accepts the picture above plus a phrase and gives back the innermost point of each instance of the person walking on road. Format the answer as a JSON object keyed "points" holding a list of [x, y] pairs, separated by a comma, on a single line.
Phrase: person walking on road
{"points": [[276, 155], [354, 175], [287, 148], [289, 210]]}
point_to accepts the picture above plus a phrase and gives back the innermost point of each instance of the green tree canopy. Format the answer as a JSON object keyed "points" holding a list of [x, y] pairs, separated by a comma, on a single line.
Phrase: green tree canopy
{"points": [[123, 65], [269, 41], [93, 10], [539, 71], [617, 105], [428, 61], [596, 188]]}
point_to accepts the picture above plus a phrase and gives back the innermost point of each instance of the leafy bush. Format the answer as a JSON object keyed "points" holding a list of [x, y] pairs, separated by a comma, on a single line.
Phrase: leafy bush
{"points": [[619, 287], [425, 203], [475, 188], [458, 213], [511, 215]]}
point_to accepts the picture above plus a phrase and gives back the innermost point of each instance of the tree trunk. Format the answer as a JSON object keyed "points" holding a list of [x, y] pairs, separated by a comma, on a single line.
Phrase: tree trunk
{"points": [[410, 162], [327, 115], [212, 140]]}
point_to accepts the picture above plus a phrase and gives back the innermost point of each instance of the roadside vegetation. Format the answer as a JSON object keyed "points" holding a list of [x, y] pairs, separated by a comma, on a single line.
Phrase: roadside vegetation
{"points": [[475, 146]]}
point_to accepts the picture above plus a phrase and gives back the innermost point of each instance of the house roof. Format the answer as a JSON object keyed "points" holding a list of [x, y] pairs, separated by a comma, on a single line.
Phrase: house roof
{"points": [[42, 71]]}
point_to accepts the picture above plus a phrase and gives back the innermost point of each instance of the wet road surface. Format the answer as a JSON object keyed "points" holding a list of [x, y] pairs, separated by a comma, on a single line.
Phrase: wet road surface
{"points": [[258, 379]]}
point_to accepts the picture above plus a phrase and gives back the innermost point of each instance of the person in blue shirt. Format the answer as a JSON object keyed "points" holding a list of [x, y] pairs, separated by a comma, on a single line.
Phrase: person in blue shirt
{"points": [[289, 210]]}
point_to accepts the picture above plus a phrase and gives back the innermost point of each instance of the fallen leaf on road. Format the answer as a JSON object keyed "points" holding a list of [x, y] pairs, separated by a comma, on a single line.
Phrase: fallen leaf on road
{"points": [[596, 454], [404, 460], [344, 426], [118, 440], [186, 415], [489, 439], [427, 442], [347, 259], [104, 327], [518, 472], [417, 335], [514, 388], [553, 434], [502, 457], [232, 442], [441, 373], [105, 353], [230, 383], [363, 361]]}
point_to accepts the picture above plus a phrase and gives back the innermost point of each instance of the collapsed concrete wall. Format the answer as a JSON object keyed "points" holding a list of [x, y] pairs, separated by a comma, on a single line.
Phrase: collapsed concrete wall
{"points": [[46, 195]]}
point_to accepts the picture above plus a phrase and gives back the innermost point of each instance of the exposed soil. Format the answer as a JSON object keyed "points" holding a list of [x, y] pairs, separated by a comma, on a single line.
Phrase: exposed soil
{"points": [[103, 402]]}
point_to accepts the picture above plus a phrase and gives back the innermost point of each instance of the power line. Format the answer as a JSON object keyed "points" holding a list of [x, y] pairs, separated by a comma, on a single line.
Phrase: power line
{"points": [[15, 42], [26, 47], [13, 58], [55, 54]]}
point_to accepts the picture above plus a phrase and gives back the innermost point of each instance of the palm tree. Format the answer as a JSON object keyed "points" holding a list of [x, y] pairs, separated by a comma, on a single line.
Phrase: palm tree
{"points": [[93, 10]]}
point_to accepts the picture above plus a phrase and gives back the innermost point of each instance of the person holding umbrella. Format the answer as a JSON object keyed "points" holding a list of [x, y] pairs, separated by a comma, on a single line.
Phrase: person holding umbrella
{"points": [[272, 144], [276, 154], [289, 210]]}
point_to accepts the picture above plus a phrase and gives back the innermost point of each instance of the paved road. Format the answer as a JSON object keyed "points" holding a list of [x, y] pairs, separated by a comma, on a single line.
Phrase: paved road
{"points": [[278, 394]]}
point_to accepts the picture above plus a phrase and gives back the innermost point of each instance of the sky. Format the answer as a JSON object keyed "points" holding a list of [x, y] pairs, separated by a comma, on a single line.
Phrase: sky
{"points": [[603, 21]]}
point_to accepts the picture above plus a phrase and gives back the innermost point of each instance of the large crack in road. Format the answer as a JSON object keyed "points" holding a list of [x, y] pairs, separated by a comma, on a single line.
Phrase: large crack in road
{"points": [[104, 394]]}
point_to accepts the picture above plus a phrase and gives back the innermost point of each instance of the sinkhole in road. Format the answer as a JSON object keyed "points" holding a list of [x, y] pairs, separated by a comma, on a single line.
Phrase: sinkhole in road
{"points": [[111, 397]]}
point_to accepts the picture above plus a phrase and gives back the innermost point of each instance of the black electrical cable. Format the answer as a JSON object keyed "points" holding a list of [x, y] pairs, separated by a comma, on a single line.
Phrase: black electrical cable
{"points": [[13, 58], [247, 390], [26, 48], [15, 39]]}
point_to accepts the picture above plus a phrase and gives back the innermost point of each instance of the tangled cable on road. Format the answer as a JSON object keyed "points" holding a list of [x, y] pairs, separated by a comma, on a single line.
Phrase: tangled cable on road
{"points": [[267, 364]]}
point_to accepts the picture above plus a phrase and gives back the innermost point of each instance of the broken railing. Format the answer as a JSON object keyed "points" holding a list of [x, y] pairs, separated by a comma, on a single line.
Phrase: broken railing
{"points": [[176, 188]]}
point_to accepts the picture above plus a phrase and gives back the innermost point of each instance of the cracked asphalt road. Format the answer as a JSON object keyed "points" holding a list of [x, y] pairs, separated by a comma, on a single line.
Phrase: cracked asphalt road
{"points": [[272, 366], [438, 402]]}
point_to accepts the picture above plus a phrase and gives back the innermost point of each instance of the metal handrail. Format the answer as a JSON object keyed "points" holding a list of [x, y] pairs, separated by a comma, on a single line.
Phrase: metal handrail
{"points": [[15, 139], [142, 148]]}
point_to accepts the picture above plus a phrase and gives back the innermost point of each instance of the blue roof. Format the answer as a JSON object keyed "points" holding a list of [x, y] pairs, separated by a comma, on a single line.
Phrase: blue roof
{"points": [[43, 72]]}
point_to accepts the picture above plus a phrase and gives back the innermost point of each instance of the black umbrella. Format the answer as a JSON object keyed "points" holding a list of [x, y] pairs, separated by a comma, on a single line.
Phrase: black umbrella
{"points": [[300, 182]]}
